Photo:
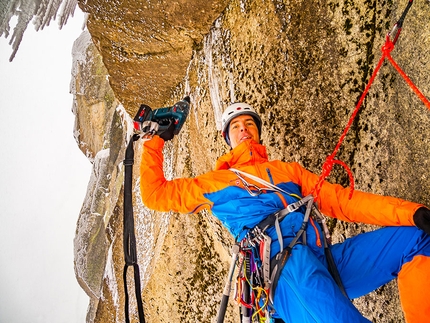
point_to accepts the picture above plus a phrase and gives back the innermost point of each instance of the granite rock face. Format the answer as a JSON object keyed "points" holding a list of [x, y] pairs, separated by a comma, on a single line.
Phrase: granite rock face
{"points": [[302, 64], [149, 43]]}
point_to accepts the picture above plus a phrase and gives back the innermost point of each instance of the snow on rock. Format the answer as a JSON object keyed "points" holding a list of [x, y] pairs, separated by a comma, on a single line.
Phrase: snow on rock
{"points": [[216, 51], [93, 100], [101, 129]]}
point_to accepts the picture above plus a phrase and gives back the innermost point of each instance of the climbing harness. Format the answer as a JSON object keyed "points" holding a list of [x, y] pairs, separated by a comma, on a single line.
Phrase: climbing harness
{"points": [[386, 54], [129, 238], [258, 274]]}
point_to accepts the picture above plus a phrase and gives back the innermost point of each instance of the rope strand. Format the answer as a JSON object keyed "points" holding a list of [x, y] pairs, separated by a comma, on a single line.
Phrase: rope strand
{"points": [[386, 53]]}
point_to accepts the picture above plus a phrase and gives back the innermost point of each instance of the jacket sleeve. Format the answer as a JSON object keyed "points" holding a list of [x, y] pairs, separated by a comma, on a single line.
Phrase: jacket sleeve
{"points": [[184, 195], [333, 200]]}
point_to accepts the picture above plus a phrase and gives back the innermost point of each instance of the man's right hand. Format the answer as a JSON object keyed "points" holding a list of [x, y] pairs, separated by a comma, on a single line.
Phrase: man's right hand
{"points": [[151, 128], [168, 134]]}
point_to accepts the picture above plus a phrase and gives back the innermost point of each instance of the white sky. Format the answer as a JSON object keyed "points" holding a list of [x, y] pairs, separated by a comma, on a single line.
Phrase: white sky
{"points": [[43, 179]]}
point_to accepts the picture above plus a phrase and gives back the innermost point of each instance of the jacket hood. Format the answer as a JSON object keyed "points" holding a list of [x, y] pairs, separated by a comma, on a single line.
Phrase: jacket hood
{"points": [[246, 153]]}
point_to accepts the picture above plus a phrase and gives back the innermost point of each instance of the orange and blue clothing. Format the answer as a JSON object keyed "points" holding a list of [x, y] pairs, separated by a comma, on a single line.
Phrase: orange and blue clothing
{"points": [[306, 292]]}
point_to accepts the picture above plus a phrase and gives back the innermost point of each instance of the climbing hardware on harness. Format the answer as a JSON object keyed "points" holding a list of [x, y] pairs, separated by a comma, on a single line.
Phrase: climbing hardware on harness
{"points": [[257, 273]]}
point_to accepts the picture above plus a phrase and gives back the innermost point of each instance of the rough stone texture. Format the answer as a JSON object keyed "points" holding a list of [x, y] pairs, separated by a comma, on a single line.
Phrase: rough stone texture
{"points": [[149, 43], [98, 132], [303, 66]]}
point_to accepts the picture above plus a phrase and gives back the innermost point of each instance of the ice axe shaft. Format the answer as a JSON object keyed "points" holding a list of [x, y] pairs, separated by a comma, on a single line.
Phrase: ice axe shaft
{"points": [[226, 293]]}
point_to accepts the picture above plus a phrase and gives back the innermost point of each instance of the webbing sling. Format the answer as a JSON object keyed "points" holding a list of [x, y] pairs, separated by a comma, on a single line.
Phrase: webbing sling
{"points": [[129, 239]]}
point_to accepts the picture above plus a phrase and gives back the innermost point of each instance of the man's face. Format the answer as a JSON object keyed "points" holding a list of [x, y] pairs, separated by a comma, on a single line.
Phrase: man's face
{"points": [[243, 128]]}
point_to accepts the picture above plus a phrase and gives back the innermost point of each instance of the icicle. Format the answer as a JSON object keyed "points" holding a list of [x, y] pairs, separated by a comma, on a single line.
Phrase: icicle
{"points": [[7, 11], [213, 79], [18, 32], [41, 12], [67, 10], [47, 11]]}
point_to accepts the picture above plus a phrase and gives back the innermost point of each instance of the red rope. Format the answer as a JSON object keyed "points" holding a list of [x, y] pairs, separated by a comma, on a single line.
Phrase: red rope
{"points": [[330, 160], [408, 80]]}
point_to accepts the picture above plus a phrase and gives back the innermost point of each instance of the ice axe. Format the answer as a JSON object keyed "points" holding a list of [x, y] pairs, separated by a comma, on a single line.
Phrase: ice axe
{"points": [[226, 293]]}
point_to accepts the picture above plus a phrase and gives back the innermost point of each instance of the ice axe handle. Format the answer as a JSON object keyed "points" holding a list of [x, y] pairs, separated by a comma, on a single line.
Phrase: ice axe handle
{"points": [[226, 293]]}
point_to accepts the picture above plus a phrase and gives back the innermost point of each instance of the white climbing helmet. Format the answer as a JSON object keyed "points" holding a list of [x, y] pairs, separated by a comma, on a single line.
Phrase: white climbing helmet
{"points": [[234, 110]]}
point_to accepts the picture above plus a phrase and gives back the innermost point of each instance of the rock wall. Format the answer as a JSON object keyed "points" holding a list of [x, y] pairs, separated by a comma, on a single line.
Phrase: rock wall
{"points": [[302, 64], [149, 43]]}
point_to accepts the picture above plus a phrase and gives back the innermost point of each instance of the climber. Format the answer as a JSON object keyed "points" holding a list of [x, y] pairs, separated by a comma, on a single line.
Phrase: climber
{"points": [[306, 291]]}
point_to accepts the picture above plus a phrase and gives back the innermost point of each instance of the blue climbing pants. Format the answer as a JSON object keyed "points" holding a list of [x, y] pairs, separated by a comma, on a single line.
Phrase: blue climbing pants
{"points": [[307, 293]]}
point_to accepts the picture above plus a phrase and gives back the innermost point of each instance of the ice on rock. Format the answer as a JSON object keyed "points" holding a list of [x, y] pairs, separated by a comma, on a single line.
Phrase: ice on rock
{"points": [[40, 12]]}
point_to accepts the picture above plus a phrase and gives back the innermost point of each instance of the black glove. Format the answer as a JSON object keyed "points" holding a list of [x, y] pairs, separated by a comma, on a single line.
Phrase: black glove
{"points": [[422, 219], [168, 134]]}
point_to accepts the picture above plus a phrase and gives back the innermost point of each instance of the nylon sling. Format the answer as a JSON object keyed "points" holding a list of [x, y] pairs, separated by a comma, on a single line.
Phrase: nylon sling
{"points": [[129, 238]]}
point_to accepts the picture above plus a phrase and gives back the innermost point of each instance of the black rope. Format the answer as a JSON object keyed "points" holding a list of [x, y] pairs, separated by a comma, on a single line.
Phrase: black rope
{"points": [[405, 12], [129, 239], [399, 23]]}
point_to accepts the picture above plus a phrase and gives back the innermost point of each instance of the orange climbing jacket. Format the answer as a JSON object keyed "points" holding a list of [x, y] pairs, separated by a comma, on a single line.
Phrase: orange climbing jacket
{"points": [[221, 189]]}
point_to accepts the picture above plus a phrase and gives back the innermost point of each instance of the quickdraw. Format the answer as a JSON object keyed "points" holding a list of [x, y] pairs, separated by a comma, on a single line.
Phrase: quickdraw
{"points": [[250, 293]]}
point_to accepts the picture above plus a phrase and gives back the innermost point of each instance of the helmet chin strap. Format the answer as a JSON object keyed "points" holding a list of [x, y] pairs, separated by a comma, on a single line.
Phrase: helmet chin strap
{"points": [[227, 138]]}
